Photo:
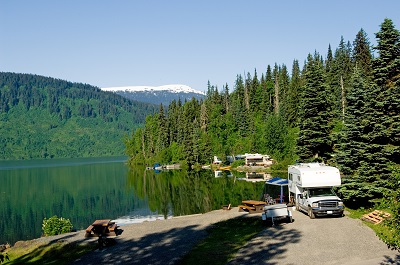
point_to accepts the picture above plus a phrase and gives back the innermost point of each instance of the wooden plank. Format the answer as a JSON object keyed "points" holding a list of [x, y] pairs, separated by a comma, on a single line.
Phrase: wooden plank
{"points": [[246, 208], [112, 227], [104, 222], [89, 229]]}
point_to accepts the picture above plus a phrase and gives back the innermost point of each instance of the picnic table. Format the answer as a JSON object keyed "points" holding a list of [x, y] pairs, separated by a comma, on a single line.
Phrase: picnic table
{"points": [[102, 227], [252, 206]]}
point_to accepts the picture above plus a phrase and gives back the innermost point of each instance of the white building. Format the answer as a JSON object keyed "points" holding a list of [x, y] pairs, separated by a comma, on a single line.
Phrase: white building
{"points": [[257, 160]]}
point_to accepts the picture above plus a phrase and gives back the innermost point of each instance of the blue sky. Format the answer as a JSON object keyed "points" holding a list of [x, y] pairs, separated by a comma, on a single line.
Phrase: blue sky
{"points": [[129, 43]]}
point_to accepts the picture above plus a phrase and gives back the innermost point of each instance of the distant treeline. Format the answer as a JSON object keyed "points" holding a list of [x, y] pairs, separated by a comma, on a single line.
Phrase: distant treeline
{"points": [[343, 110], [43, 117]]}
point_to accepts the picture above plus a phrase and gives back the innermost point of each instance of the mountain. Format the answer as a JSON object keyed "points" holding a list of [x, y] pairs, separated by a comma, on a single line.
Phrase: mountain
{"points": [[43, 117], [157, 94]]}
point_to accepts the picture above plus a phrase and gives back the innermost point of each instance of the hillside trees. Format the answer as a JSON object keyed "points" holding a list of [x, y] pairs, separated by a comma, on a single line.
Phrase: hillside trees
{"points": [[223, 124], [42, 117]]}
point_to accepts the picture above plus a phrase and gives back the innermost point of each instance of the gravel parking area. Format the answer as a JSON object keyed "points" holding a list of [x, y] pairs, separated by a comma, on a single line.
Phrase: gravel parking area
{"points": [[330, 241], [158, 242]]}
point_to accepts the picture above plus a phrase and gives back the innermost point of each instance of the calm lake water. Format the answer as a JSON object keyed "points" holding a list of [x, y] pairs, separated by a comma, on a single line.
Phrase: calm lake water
{"points": [[84, 190]]}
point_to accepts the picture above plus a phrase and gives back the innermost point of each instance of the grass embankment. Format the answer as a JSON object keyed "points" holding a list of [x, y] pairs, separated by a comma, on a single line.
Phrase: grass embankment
{"points": [[224, 240], [59, 253]]}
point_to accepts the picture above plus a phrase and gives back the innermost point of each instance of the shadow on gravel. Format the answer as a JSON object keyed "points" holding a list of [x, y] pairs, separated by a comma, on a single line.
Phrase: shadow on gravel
{"points": [[389, 260], [157, 248], [270, 243]]}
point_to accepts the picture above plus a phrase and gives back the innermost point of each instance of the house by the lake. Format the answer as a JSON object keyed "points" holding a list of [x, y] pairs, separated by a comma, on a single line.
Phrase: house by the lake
{"points": [[257, 160]]}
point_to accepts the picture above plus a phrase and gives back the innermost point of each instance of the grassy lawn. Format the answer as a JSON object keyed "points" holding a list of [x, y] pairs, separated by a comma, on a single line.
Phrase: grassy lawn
{"points": [[224, 240]]}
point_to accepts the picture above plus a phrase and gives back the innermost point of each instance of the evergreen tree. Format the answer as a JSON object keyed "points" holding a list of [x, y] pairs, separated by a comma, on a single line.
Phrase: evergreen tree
{"points": [[386, 71], [314, 136], [351, 140], [387, 65], [292, 98], [362, 55]]}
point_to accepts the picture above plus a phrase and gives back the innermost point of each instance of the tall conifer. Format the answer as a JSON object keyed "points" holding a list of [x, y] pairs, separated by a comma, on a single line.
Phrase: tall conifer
{"points": [[314, 136]]}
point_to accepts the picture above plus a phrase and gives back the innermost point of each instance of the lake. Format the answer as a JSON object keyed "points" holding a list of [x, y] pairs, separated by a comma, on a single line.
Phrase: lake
{"points": [[85, 189]]}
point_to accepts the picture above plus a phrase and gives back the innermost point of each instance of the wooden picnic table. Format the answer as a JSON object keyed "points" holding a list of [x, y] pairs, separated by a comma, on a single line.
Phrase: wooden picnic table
{"points": [[101, 227], [252, 206]]}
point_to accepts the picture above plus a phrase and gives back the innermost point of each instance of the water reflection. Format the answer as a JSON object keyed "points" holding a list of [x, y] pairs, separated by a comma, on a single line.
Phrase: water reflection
{"points": [[84, 191], [180, 192]]}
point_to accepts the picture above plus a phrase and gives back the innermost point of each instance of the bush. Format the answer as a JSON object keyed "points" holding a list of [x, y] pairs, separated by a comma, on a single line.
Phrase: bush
{"points": [[55, 226]]}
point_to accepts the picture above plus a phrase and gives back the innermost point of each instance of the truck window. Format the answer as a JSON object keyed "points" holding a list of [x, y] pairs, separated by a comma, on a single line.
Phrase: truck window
{"points": [[321, 192]]}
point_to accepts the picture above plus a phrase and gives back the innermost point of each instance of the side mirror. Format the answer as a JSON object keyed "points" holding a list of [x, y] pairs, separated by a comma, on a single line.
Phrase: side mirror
{"points": [[301, 196]]}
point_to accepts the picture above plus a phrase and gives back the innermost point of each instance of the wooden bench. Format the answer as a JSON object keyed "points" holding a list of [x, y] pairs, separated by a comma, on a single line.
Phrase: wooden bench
{"points": [[245, 208], [112, 227], [89, 230]]}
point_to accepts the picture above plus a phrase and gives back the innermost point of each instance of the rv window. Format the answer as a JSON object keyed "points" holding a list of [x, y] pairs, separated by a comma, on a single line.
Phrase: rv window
{"points": [[298, 178], [321, 192], [290, 176]]}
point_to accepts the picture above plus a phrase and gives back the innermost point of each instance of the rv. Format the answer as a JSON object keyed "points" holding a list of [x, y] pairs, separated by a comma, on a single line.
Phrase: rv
{"points": [[310, 188]]}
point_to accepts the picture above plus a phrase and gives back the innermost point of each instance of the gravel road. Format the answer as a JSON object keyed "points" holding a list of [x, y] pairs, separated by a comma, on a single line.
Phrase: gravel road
{"points": [[158, 242], [305, 241], [317, 241]]}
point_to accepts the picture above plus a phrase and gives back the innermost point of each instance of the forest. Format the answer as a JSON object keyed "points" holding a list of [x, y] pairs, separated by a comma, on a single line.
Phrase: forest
{"points": [[341, 109], [43, 117]]}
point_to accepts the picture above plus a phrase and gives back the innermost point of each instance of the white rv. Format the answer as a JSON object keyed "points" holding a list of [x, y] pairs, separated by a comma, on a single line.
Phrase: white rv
{"points": [[310, 188]]}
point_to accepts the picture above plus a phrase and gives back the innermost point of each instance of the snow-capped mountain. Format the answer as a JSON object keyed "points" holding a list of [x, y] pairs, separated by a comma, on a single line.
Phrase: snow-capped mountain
{"points": [[157, 94]]}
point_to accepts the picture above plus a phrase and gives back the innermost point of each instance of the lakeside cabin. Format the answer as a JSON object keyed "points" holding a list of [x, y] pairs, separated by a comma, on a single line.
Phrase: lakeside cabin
{"points": [[257, 160], [250, 159]]}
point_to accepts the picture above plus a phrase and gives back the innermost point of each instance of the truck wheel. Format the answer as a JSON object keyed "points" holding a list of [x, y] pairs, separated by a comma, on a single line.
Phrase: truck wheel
{"points": [[310, 213]]}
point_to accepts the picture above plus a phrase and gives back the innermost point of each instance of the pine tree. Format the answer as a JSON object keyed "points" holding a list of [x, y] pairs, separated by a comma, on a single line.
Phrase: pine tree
{"points": [[314, 136], [380, 125], [386, 71], [387, 65], [341, 71], [351, 140], [292, 98], [362, 55]]}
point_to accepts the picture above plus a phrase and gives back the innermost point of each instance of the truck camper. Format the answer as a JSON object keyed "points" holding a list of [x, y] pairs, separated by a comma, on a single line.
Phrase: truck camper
{"points": [[310, 188]]}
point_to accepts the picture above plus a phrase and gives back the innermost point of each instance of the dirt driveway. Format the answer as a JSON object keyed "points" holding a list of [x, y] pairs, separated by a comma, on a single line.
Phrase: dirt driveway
{"points": [[317, 241]]}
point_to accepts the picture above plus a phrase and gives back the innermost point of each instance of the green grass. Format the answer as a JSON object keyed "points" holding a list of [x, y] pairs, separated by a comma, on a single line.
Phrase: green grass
{"points": [[58, 253], [224, 240]]}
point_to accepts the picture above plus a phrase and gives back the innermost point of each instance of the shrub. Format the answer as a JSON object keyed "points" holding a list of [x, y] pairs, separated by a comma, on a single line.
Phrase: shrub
{"points": [[55, 226]]}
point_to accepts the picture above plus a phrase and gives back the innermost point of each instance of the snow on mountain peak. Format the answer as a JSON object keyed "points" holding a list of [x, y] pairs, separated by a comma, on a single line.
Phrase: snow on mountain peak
{"points": [[174, 88]]}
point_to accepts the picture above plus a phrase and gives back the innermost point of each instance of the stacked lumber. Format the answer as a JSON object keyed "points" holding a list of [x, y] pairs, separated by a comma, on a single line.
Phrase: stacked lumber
{"points": [[375, 217]]}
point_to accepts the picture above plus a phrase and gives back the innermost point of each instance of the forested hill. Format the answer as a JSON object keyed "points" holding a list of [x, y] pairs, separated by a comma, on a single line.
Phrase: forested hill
{"points": [[43, 117]]}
